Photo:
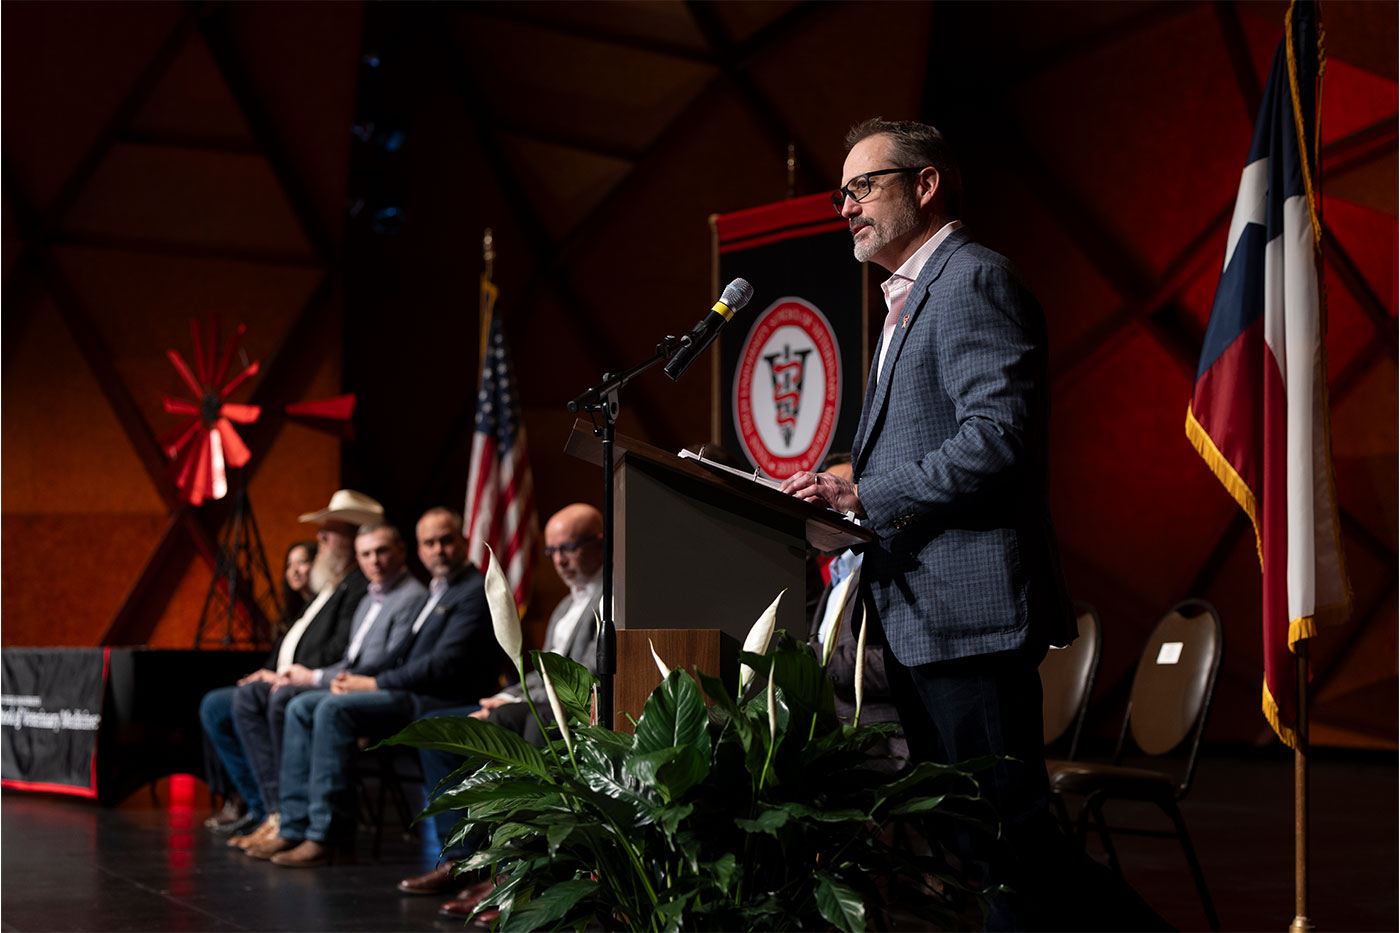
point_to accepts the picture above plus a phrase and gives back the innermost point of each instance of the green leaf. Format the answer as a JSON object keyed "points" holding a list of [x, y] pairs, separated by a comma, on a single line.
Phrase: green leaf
{"points": [[466, 770], [571, 680], [607, 738], [508, 832], [769, 821], [490, 786], [628, 808], [669, 818], [459, 834], [825, 814], [799, 675], [718, 693], [462, 735], [603, 759], [672, 912], [671, 771], [726, 709], [555, 836], [674, 714], [723, 870], [839, 903]]}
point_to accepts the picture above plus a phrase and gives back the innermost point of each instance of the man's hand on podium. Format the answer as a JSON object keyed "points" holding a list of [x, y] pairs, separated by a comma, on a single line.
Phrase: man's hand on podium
{"points": [[836, 492]]}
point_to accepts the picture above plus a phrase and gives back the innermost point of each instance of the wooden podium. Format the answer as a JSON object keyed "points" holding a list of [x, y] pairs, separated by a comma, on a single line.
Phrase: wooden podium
{"points": [[699, 548]]}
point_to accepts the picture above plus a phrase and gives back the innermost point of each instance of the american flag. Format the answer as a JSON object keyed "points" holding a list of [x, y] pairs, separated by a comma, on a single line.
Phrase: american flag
{"points": [[500, 507], [1258, 413]]}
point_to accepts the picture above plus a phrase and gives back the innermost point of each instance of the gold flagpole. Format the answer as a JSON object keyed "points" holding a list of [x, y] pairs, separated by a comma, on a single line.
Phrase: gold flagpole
{"points": [[791, 171], [486, 299], [1301, 923]]}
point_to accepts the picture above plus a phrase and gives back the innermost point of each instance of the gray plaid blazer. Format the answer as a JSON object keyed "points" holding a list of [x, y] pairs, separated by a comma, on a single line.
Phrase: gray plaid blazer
{"points": [[951, 457]]}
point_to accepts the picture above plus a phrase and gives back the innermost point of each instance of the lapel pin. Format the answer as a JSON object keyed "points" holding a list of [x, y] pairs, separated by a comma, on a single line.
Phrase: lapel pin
{"points": [[905, 322]]}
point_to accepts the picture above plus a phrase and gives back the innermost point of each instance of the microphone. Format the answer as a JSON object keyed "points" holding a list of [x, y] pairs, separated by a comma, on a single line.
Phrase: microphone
{"points": [[736, 294]]}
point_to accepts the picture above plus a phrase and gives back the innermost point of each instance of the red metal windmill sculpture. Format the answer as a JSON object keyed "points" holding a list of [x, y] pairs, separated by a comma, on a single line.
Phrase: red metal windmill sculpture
{"points": [[204, 446]]}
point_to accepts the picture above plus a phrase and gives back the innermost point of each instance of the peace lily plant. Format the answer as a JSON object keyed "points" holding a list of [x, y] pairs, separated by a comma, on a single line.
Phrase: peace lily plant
{"points": [[755, 812]]}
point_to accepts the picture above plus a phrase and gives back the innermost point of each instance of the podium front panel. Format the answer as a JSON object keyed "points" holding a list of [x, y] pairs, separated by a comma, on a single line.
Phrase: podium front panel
{"points": [[684, 559]]}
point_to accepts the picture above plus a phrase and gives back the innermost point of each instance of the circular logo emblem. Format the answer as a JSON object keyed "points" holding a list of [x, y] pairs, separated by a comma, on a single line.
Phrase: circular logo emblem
{"points": [[787, 390]]}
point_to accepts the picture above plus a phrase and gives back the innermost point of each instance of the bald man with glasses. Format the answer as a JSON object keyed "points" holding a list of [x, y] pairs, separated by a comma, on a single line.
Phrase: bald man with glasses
{"points": [[573, 540]]}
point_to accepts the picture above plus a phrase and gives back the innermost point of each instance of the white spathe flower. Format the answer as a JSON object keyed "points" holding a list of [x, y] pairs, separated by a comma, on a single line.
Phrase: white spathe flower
{"points": [[660, 664], [772, 702], [505, 617], [837, 599], [558, 709], [860, 665], [758, 638]]}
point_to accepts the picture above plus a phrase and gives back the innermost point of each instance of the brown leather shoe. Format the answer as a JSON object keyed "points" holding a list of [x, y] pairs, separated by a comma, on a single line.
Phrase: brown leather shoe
{"points": [[313, 854], [441, 880], [266, 832], [267, 850], [461, 906]]}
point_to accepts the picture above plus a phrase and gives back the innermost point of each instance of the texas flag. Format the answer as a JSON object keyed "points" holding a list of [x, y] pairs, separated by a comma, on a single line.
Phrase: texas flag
{"points": [[1258, 412]]}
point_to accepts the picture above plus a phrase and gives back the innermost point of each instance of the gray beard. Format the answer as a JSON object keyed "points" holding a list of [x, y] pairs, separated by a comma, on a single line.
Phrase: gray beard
{"points": [[328, 569], [905, 219]]}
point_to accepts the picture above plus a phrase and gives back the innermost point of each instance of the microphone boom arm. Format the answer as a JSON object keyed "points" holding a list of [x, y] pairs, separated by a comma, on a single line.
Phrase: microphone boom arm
{"points": [[592, 399]]}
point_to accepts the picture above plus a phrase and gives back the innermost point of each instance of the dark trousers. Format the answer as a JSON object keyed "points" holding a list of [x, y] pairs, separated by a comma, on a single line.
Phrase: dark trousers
{"points": [[259, 715], [956, 710], [953, 711]]}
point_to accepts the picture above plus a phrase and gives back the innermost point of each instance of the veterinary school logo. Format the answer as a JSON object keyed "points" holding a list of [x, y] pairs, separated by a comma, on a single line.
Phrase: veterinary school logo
{"points": [[787, 390]]}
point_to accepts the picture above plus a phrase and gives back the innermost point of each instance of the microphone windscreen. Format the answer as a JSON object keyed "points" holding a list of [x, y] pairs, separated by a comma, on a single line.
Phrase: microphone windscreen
{"points": [[737, 294]]}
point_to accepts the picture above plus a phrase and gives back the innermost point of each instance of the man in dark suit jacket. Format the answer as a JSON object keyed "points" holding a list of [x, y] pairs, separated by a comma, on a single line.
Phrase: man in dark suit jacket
{"points": [[316, 639], [951, 471], [573, 540], [446, 655]]}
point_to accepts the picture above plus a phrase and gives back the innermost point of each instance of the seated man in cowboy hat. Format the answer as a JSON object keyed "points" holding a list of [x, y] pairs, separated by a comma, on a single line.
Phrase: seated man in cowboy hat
{"points": [[317, 638]]}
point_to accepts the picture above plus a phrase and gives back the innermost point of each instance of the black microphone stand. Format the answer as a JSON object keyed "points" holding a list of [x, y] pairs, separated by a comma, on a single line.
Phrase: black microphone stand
{"points": [[602, 399]]}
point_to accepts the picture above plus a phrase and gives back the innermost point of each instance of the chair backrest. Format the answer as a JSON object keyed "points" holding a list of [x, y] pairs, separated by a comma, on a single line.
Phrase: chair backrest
{"points": [[1067, 679], [1175, 682]]}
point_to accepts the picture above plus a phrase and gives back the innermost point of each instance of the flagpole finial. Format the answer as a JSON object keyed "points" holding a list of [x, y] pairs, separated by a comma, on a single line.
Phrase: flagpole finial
{"points": [[488, 252]]}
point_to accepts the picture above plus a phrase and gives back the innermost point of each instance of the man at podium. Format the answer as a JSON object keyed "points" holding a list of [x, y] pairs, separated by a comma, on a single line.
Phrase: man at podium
{"points": [[950, 472]]}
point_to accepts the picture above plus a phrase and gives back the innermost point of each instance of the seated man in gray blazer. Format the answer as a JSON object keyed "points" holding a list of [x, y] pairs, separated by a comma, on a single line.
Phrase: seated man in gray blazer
{"points": [[383, 613]]}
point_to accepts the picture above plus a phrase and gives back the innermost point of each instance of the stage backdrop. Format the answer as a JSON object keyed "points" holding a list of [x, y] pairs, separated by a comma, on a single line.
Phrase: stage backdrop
{"points": [[791, 365]]}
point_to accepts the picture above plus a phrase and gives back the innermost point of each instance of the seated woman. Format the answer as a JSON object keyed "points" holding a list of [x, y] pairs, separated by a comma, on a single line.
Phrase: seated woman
{"points": [[296, 582]]}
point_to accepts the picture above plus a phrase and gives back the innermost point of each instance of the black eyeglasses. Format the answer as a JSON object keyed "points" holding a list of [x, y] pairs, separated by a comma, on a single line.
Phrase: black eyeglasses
{"points": [[569, 547], [859, 188]]}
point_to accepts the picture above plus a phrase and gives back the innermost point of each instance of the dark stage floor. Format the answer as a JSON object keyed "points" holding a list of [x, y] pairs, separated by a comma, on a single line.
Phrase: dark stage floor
{"points": [[71, 865]]}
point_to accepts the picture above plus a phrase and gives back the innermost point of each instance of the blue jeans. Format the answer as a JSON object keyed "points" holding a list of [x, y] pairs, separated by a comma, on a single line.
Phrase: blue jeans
{"points": [[216, 715], [436, 766], [318, 748]]}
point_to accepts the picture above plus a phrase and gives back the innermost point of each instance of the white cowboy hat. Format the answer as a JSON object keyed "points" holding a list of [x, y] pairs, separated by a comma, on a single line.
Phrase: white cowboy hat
{"points": [[347, 505]]}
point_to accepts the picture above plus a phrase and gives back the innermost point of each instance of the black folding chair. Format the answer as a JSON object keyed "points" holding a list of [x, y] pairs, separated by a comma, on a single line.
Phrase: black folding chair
{"points": [[1171, 698]]}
